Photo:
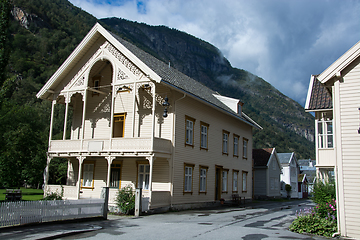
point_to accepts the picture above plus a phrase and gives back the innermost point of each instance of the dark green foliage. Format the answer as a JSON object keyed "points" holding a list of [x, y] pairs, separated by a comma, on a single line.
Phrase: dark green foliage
{"points": [[4, 37], [323, 192], [125, 200], [58, 171]]}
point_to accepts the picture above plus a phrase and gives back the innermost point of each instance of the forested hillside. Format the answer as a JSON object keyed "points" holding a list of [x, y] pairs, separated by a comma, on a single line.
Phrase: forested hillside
{"points": [[42, 33]]}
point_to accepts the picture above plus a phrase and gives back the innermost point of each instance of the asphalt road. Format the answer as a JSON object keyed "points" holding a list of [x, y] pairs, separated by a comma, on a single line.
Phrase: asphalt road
{"points": [[267, 221]]}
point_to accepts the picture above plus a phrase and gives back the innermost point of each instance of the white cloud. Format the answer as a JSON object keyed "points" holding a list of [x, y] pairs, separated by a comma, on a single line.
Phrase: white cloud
{"points": [[282, 41]]}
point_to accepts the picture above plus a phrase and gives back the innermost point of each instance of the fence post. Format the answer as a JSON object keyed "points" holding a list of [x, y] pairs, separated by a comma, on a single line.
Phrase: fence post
{"points": [[105, 195], [138, 207]]}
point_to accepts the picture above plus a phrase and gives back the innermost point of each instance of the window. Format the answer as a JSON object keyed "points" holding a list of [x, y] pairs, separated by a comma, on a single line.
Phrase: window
{"points": [[188, 173], [202, 187], [236, 146], [325, 134], [115, 175], [204, 135], [96, 84], [143, 176], [189, 134], [235, 180], [244, 181], [88, 175], [225, 142], [224, 180], [119, 123], [245, 143]]}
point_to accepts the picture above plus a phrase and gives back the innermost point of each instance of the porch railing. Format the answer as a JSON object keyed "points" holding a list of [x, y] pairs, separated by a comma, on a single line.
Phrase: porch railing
{"points": [[117, 145]]}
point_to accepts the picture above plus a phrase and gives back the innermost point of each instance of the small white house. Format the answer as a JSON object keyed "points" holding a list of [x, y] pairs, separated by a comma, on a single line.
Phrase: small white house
{"points": [[290, 172]]}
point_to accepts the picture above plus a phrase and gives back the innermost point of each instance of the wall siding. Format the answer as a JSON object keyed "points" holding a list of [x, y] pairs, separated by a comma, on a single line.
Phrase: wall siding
{"points": [[349, 104], [213, 156]]}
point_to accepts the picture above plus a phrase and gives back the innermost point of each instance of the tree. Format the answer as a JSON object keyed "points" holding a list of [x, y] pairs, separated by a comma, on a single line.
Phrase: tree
{"points": [[4, 38]]}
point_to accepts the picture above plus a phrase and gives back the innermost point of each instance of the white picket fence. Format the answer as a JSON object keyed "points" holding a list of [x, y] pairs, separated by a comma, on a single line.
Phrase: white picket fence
{"points": [[23, 212]]}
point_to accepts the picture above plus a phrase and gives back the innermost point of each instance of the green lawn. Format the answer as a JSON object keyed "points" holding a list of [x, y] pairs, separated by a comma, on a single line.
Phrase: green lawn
{"points": [[28, 194]]}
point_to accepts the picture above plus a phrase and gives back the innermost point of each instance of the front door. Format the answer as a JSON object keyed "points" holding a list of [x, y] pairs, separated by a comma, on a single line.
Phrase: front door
{"points": [[218, 182]]}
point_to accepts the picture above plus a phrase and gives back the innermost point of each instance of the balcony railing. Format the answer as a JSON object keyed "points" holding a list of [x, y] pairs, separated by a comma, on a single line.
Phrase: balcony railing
{"points": [[125, 145]]}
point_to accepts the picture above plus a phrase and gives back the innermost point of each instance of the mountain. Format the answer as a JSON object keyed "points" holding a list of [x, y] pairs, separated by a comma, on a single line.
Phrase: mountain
{"points": [[43, 33]]}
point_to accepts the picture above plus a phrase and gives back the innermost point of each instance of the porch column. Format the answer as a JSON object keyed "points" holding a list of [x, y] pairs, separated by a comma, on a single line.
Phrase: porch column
{"points": [[153, 115], [134, 108], [109, 160], [81, 160], [83, 119], [151, 163], [51, 120], [67, 100], [46, 172], [113, 95]]}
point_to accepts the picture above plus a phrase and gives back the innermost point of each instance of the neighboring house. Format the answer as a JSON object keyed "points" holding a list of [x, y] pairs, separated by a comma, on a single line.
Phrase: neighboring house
{"points": [[303, 186], [267, 170], [137, 121], [308, 167], [289, 175], [334, 98]]}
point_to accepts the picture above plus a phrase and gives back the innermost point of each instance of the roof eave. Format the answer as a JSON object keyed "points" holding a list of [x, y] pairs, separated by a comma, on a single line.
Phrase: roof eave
{"points": [[217, 107], [334, 70]]}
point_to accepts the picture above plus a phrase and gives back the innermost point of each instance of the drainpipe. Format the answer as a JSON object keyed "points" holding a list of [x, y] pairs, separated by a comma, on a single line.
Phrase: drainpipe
{"points": [[173, 150]]}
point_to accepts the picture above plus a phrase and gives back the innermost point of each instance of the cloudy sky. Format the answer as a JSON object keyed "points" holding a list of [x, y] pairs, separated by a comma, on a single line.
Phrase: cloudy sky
{"points": [[282, 41]]}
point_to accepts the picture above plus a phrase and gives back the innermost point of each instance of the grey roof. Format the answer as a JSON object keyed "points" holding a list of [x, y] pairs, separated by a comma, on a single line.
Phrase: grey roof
{"points": [[179, 80], [284, 158], [310, 175], [306, 163]]}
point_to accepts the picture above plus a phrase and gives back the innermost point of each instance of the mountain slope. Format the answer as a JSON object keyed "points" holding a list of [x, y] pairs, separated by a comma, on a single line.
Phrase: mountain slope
{"points": [[43, 34]]}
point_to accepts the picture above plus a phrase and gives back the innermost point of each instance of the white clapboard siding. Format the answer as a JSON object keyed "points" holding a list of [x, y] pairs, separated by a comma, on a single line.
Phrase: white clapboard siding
{"points": [[349, 115]]}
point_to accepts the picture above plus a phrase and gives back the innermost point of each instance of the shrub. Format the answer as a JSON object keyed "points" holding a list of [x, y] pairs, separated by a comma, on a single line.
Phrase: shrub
{"points": [[55, 195], [125, 200], [309, 221], [322, 220], [323, 192]]}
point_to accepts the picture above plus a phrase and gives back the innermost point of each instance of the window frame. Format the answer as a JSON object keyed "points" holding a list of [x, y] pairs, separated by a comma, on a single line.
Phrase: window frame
{"points": [[200, 176], [139, 164], [323, 134], [88, 162], [189, 119], [244, 187], [206, 125], [225, 142], [114, 166], [245, 148], [224, 180], [189, 166], [119, 115], [236, 145], [235, 186]]}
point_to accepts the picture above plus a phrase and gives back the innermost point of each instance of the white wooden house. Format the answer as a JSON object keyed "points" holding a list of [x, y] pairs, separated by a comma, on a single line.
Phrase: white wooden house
{"points": [[334, 98], [267, 170], [289, 175], [137, 121]]}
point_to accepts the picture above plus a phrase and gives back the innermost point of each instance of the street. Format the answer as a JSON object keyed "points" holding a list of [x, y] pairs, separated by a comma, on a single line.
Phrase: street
{"points": [[267, 221]]}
